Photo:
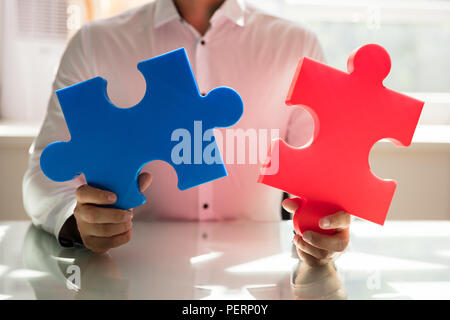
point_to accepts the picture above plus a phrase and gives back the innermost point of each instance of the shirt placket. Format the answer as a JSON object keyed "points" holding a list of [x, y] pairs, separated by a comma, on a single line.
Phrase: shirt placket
{"points": [[205, 191]]}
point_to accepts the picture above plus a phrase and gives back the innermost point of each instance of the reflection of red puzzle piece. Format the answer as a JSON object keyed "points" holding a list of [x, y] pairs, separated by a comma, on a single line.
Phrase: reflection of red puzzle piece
{"points": [[351, 112]]}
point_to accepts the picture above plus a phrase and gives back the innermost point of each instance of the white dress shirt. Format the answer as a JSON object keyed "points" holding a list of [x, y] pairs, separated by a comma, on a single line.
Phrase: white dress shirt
{"points": [[245, 49]]}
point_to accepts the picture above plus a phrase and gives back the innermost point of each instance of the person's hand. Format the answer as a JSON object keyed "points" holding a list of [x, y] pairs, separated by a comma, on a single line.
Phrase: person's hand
{"points": [[103, 228], [318, 249]]}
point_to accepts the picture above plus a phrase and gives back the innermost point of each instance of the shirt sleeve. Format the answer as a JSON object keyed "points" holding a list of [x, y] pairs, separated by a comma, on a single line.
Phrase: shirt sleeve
{"points": [[49, 204], [300, 127]]}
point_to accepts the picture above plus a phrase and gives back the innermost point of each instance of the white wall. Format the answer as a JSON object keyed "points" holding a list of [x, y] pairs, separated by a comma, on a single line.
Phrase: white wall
{"points": [[13, 163], [422, 172]]}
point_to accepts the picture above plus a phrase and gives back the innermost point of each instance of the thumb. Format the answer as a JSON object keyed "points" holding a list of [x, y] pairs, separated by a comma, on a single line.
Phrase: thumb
{"points": [[292, 204], [145, 179]]}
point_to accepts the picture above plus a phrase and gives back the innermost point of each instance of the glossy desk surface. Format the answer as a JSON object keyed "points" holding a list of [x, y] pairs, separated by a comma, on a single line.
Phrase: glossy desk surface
{"points": [[229, 260]]}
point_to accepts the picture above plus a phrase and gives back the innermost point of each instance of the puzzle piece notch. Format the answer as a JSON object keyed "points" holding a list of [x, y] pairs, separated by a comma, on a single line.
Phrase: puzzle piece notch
{"points": [[351, 111], [110, 145]]}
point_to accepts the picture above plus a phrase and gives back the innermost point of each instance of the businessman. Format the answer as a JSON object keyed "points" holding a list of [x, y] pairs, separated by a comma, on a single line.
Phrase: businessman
{"points": [[229, 43]]}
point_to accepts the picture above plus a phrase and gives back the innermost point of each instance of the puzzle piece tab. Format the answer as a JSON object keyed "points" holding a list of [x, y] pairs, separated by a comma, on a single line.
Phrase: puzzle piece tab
{"points": [[110, 145], [351, 112]]}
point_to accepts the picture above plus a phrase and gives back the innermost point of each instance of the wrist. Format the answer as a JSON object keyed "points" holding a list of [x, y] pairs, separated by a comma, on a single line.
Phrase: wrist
{"points": [[69, 235]]}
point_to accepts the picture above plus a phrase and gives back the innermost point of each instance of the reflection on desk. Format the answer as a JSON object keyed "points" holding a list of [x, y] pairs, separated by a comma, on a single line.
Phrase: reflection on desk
{"points": [[170, 260], [227, 260]]}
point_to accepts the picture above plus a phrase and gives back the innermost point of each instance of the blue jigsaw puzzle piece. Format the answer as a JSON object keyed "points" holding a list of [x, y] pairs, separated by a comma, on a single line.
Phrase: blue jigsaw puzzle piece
{"points": [[110, 145]]}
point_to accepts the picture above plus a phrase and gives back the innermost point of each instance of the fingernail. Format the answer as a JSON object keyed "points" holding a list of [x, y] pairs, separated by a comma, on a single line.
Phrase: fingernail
{"points": [[325, 222], [290, 204], [307, 236], [111, 197]]}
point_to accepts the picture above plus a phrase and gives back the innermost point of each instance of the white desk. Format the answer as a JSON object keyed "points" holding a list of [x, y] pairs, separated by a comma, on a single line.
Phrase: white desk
{"points": [[179, 260]]}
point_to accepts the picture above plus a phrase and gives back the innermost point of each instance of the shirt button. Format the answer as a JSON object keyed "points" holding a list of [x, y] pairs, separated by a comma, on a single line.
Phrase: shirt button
{"points": [[205, 206]]}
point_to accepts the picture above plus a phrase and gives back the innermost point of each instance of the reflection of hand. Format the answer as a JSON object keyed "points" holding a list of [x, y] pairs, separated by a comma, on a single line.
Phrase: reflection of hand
{"points": [[319, 282], [75, 273], [100, 277], [318, 249]]}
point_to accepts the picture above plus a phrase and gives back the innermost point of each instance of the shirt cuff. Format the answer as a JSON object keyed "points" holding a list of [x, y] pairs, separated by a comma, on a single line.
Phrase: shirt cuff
{"points": [[67, 212]]}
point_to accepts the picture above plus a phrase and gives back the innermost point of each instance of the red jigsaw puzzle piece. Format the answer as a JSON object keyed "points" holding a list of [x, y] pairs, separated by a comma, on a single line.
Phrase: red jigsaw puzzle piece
{"points": [[351, 111]]}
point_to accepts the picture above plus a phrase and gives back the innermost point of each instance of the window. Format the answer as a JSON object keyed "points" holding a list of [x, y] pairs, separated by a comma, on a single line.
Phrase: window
{"points": [[33, 36], [415, 32], [81, 11]]}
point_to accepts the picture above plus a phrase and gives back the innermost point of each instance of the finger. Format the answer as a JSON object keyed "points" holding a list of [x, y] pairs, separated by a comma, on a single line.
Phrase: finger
{"points": [[291, 205], [102, 245], [334, 243], [308, 259], [145, 179], [93, 214], [106, 230], [311, 250], [88, 194], [339, 220]]}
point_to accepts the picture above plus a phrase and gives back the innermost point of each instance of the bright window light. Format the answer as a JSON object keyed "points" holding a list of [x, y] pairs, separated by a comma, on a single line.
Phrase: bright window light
{"points": [[443, 253], [439, 290], [224, 293], [64, 260], [357, 261], [282, 262], [205, 257], [3, 269], [26, 274], [3, 230], [397, 229]]}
